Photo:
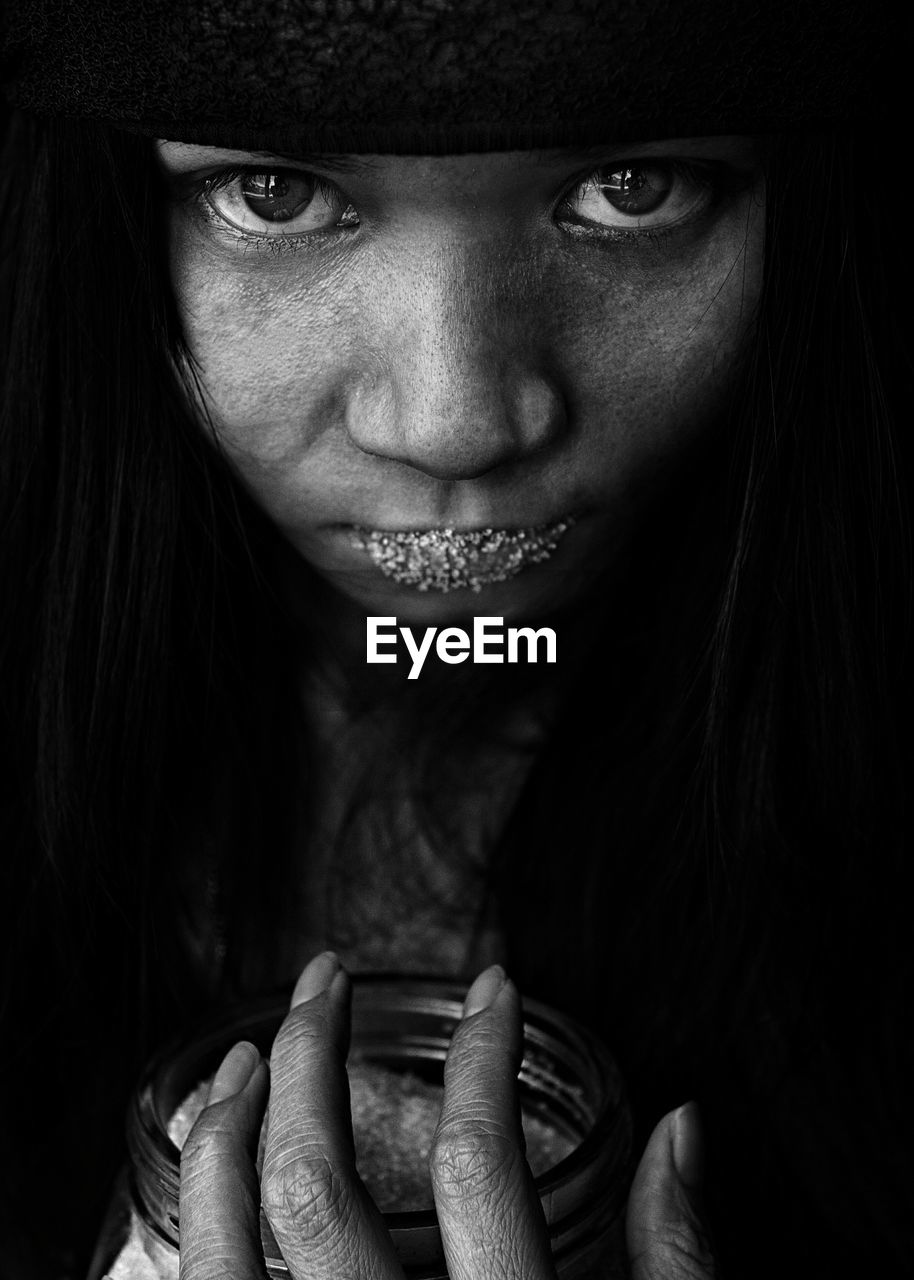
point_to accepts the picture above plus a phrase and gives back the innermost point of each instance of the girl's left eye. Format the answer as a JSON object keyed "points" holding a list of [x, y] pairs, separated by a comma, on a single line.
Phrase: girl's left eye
{"points": [[639, 195], [278, 203]]}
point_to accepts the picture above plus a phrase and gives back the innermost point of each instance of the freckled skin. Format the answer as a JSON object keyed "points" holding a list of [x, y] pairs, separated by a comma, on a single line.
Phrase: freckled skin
{"points": [[463, 359]]}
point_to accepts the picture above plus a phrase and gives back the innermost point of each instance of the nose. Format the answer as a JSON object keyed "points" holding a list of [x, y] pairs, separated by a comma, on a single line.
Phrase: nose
{"points": [[460, 384]]}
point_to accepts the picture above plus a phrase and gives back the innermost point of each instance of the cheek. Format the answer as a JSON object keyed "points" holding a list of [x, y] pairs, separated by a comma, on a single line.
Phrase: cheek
{"points": [[270, 359], [651, 358]]}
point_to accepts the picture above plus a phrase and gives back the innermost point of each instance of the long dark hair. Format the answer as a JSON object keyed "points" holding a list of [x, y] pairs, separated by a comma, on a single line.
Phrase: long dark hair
{"points": [[135, 612], [753, 821], [733, 802]]}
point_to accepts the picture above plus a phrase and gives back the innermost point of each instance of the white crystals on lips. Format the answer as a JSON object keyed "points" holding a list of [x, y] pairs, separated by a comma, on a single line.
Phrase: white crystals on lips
{"points": [[451, 559]]}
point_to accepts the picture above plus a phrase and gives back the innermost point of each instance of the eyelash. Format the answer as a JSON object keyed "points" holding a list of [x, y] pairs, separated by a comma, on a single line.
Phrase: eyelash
{"points": [[717, 179], [197, 195]]}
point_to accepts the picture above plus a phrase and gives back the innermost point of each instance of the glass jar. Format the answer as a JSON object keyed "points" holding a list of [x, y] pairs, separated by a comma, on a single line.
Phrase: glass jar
{"points": [[400, 1023]]}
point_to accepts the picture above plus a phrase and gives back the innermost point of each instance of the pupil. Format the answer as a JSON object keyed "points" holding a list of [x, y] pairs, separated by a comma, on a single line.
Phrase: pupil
{"points": [[636, 190], [625, 181], [266, 186], [276, 197]]}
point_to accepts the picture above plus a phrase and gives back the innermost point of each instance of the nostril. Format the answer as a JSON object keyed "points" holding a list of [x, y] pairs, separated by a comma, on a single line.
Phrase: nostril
{"points": [[459, 429], [459, 450], [436, 463], [454, 441], [539, 415]]}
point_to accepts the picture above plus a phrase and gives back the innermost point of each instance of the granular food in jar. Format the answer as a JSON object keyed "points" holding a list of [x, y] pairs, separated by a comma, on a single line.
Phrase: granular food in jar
{"points": [[394, 1116]]}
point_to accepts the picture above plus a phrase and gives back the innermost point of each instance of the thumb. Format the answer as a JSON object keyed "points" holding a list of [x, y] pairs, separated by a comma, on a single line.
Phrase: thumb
{"points": [[666, 1237]]}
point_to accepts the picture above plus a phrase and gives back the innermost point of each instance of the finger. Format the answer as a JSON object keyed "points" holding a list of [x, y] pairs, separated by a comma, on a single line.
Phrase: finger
{"points": [[491, 1219], [666, 1237], [219, 1208], [324, 1221]]}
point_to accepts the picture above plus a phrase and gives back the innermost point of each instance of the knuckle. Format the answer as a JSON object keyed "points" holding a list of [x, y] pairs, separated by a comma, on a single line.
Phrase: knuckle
{"points": [[481, 1041], [199, 1179], [195, 1151], [678, 1252], [309, 1041], [215, 1262], [473, 1162], [488, 1038], [305, 1030], [210, 1138], [306, 1192]]}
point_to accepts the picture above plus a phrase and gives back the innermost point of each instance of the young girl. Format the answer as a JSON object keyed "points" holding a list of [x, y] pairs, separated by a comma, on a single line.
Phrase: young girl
{"points": [[572, 317]]}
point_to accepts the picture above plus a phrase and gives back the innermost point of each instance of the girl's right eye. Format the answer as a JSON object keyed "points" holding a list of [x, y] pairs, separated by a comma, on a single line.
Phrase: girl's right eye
{"points": [[277, 204]]}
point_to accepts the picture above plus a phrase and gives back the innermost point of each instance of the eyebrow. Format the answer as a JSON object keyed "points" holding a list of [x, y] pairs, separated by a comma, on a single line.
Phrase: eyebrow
{"points": [[323, 159], [632, 147], [198, 153], [542, 156], [350, 163]]}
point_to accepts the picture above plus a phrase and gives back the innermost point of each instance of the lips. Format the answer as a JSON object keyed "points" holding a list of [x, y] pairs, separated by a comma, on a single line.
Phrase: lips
{"points": [[444, 559]]}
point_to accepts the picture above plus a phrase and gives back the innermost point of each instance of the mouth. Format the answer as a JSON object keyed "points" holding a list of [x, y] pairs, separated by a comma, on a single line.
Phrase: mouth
{"points": [[446, 560]]}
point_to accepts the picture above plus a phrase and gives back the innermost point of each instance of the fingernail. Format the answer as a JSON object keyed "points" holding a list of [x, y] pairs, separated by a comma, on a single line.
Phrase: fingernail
{"points": [[484, 990], [316, 977], [235, 1070], [688, 1146]]}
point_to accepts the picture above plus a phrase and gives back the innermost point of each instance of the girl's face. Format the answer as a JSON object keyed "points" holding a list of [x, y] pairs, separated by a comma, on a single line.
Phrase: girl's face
{"points": [[494, 341]]}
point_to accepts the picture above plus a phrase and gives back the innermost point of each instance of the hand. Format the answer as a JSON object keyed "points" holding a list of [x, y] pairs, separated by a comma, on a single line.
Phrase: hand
{"points": [[663, 1221], [325, 1223]]}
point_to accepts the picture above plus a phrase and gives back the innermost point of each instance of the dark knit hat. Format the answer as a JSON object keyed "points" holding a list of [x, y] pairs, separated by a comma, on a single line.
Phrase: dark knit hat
{"points": [[450, 75]]}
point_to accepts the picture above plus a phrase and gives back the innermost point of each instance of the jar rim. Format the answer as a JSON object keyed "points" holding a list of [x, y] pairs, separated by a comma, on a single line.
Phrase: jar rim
{"points": [[608, 1132]]}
